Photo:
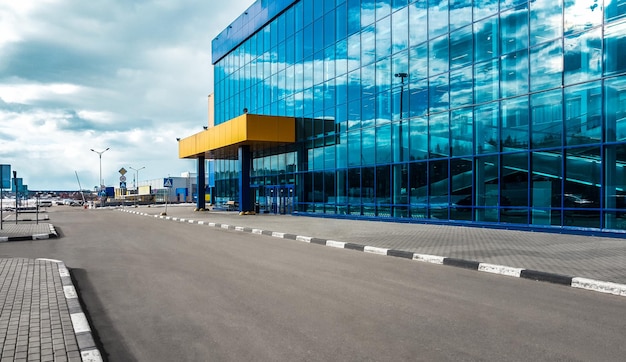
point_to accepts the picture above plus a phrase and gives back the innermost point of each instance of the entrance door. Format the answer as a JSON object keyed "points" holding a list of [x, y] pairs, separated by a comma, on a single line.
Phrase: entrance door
{"points": [[279, 199]]}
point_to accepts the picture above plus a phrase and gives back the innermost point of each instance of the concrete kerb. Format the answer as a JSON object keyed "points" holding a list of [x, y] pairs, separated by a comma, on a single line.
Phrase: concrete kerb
{"points": [[572, 281], [89, 352]]}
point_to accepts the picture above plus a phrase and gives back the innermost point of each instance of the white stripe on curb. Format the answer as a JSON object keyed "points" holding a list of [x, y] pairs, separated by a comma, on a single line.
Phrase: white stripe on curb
{"points": [[80, 323], [599, 286], [335, 244], [306, 239], [70, 292], [375, 250], [278, 235], [434, 259], [500, 269]]}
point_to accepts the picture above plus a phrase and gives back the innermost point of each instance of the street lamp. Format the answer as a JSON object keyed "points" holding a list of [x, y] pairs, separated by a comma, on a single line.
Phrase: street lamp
{"points": [[136, 183], [100, 156]]}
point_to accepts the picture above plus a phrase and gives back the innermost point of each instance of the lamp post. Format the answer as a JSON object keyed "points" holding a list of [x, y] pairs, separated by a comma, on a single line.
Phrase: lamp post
{"points": [[100, 156], [136, 183]]}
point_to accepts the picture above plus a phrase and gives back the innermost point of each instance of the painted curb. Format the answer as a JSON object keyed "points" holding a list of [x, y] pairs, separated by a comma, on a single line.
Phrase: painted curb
{"points": [[571, 281], [88, 350]]}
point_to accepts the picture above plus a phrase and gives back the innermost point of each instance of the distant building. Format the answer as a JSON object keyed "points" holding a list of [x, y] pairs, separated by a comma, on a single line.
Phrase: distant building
{"points": [[493, 113]]}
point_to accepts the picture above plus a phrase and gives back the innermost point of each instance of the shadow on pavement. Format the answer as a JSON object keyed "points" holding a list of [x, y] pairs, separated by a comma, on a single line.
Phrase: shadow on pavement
{"points": [[117, 350]]}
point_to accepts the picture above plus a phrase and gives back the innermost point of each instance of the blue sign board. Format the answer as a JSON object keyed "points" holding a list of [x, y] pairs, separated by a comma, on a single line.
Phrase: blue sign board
{"points": [[18, 185], [168, 182], [5, 176], [123, 184]]}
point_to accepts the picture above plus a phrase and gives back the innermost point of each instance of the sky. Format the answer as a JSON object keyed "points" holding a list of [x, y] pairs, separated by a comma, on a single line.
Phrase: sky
{"points": [[128, 75]]}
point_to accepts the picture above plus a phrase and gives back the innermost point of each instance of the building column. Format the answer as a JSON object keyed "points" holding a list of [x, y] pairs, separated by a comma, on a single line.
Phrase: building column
{"points": [[201, 184], [245, 161]]}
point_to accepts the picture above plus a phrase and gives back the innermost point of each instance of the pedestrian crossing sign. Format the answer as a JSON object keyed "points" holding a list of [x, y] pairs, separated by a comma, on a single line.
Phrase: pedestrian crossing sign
{"points": [[168, 182]]}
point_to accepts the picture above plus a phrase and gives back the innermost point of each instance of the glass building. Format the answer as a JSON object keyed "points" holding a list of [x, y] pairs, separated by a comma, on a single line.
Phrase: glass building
{"points": [[503, 113]]}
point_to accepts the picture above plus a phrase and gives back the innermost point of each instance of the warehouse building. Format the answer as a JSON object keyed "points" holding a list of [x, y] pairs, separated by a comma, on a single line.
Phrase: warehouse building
{"points": [[505, 113]]}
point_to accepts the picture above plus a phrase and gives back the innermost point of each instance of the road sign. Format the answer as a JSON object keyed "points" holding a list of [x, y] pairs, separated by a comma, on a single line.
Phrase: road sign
{"points": [[123, 184], [122, 171], [123, 178], [168, 182], [5, 176]]}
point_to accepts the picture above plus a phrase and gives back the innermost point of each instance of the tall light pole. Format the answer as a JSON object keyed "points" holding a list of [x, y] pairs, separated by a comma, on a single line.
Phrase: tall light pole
{"points": [[100, 156], [137, 181]]}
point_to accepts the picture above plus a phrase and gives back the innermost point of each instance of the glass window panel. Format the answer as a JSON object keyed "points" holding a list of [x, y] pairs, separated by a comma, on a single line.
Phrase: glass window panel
{"points": [[354, 114], [614, 45], [487, 81], [354, 148], [460, 13], [461, 177], [546, 178], [354, 15], [581, 15], [368, 146], [439, 135], [400, 141], [615, 9], [368, 187], [462, 131], [514, 184], [329, 63], [461, 87], [438, 56], [506, 4], [547, 119], [400, 31], [486, 119], [439, 93], [383, 144], [514, 118], [354, 85], [400, 188], [419, 138], [437, 18], [354, 52], [514, 74], [418, 16], [418, 98], [341, 57], [583, 114], [615, 109], [581, 190], [546, 20], [487, 188], [461, 47], [485, 8], [418, 61], [383, 37], [354, 187], [438, 181], [368, 45], [583, 56], [486, 39], [418, 189], [546, 66], [383, 107], [383, 7], [368, 12], [615, 186], [368, 111], [514, 30], [342, 151], [383, 75], [383, 185], [341, 187]]}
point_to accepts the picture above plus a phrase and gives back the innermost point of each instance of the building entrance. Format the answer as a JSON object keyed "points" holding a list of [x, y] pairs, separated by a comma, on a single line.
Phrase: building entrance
{"points": [[278, 199]]}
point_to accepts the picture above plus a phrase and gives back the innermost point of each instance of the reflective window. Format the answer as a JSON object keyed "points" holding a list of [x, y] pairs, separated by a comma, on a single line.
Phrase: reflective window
{"points": [[383, 37], [438, 181], [485, 8], [514, 74], [514, 30], [486, 39], [514, 118], [438, 91], [439, 135], [581, 191], [437, 18], [461, 87], [418, 98], [354, 148], [368, 146], [354, 15], [418, 62], [615, 108], [400, 141], [461, 131], [514, 185], [486, 119], [487, 188], [583, 56], [547, 119], [461, 47], [614, 45], [418, 16], [461, 176], [583, 113], [546, 66], [383, 144], [582, 15], [419, 138], [487, 81], [615, 9], [400, 33], [546, 20], [368, 12], [438, 56], [460, 13], [418, 184], [368, 45], [615, 186]]}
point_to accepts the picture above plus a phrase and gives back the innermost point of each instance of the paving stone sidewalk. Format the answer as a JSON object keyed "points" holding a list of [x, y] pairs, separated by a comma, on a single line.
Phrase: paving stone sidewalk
{"points": [[40, 316]]}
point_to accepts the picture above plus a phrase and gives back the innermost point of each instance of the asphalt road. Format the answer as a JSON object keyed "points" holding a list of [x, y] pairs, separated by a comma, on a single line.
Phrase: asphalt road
{"points": [[164, 291]]}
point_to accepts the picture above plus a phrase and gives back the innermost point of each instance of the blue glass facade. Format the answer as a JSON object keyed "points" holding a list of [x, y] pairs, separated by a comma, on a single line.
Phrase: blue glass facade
{"points": [[507, 112]]}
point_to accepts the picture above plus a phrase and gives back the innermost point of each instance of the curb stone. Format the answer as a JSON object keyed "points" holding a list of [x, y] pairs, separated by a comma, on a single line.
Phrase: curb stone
{"points": [[88, 350], [572, 281]]}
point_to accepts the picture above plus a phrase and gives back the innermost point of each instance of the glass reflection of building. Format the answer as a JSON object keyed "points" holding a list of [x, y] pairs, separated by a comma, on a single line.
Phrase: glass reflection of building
{"points": [[513, 112]]}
